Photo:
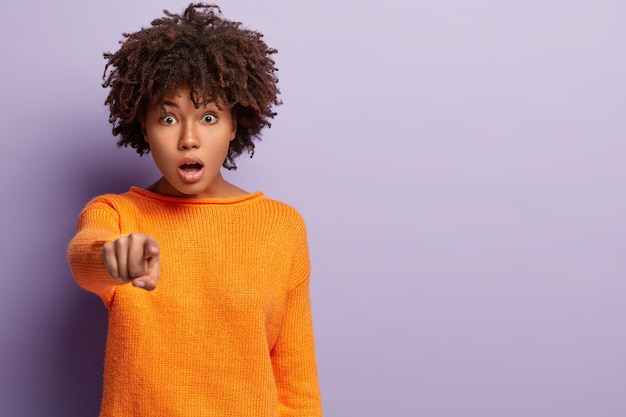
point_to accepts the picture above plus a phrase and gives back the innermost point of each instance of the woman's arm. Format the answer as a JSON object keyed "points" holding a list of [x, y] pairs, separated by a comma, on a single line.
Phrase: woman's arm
{"points": [[98, 224], [293, 355], [293, 358]]}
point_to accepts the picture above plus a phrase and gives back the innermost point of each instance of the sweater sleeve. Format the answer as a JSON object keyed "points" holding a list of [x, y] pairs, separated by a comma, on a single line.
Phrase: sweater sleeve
{"points": [[293, 355], [98, 224]]}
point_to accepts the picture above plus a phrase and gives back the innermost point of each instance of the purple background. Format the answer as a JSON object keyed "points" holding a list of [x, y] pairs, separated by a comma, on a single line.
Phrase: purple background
{"points": [[460, 165]]}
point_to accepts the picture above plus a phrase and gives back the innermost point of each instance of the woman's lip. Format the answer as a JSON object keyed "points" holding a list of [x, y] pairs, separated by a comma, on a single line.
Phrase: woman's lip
{"points": [[190, 160], [191, 176]]}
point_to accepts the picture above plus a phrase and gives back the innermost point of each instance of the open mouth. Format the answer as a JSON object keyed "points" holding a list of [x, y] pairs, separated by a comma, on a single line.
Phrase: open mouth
{"points": [[190, 171], [191, 167]]}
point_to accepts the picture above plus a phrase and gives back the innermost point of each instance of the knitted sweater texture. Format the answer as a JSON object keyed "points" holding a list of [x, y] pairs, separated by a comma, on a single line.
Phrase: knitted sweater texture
{"points": [[227, 331]]}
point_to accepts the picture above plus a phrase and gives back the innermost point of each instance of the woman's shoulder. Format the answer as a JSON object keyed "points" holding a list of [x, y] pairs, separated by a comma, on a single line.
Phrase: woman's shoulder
{"points": [[111, 200], [282, 216], [282, 208]]}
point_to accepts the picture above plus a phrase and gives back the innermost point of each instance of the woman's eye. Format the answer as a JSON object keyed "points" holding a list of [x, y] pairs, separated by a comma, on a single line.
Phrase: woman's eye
{"points": [[209, 118], [168, 120]]}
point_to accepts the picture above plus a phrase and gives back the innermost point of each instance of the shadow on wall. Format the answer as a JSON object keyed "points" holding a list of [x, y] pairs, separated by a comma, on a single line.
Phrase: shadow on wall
{"points": [[77, 365]]}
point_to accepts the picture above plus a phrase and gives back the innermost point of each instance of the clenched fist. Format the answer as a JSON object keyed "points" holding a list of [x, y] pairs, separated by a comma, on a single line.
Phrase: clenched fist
{"points": [[133, 258]]}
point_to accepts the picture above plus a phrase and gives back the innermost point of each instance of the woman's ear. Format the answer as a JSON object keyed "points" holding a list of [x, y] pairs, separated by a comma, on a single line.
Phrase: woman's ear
{"points": [[143, 130], [233, 133]]}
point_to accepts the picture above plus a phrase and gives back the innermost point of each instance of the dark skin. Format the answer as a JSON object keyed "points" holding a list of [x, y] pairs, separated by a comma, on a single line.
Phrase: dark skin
{"points": [[200, 49], [135, 259]]}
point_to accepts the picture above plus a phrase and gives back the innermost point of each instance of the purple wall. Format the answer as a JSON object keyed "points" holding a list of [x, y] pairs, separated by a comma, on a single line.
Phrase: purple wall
{"points": [[460, 165]]}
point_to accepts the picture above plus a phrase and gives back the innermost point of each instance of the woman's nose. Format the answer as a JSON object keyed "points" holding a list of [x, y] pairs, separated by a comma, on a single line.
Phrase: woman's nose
{"points": [[188, 139]]}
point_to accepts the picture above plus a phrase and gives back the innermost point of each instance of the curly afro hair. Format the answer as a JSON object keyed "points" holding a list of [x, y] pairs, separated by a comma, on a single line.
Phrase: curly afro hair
{"points": [[218, 59]]}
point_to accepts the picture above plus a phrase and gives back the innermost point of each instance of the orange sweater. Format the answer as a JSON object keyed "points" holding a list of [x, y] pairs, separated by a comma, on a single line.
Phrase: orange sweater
{"points": [[227, 331]]}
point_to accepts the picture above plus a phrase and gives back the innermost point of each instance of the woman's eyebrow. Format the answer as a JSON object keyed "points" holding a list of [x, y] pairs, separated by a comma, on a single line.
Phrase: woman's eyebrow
{"points": [[170, 104], [175, 105]]}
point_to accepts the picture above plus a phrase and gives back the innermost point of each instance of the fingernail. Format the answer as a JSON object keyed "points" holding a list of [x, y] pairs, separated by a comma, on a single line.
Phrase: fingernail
{"points": [[139, 284]]}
